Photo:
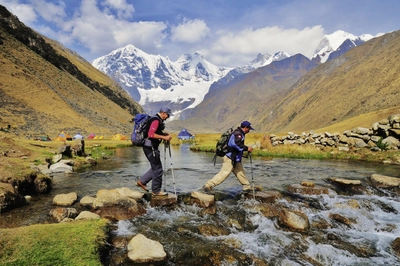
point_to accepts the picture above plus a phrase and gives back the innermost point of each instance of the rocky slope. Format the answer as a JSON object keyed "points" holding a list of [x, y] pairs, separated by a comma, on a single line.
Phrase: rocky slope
{"points": [[45, 88]]}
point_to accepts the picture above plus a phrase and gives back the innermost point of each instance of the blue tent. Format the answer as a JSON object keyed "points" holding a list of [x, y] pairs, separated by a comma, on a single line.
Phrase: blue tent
{"points": [[185, 135]]}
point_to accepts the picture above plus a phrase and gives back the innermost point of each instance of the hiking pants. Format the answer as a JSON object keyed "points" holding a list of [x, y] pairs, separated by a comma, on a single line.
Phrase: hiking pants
{"points": [[155, 173], [227, 168]]}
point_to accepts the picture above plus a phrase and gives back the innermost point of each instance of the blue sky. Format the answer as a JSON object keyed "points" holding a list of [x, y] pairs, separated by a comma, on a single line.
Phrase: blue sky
{"points": [[227, 33]]}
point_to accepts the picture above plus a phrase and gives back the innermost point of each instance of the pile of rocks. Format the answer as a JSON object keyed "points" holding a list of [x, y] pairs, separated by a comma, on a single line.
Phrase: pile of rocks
{"points": [[385, 132]]}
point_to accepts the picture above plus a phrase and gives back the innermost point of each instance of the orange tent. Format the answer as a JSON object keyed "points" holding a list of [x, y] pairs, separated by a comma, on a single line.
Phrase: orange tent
{"points": [[63, 136], [118, 137]]}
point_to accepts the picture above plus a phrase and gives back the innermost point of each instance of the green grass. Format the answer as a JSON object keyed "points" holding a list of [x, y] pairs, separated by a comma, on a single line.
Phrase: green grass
{"points": [[263, 148], [74, 243]]}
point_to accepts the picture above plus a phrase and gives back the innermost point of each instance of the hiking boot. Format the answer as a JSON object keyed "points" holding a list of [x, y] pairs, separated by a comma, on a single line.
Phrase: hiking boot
{"points": [[247, 190], [207, 188], [160, 194], [139, 184]]}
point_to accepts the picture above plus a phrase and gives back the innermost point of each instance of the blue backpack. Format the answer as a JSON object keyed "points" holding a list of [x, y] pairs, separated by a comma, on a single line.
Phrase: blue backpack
{"points": [[139, 133]]}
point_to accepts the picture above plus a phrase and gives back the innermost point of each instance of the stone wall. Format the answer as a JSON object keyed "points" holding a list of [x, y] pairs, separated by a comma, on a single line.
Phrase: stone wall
{"points": [[386, 131]]}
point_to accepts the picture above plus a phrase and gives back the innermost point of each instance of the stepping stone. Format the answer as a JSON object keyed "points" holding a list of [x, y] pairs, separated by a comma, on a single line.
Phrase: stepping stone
{"points": [[264, 196], [163, 201]]}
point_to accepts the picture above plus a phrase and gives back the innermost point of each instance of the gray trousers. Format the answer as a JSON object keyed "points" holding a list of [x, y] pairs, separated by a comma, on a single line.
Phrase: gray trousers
{"points": [[155, 172]]}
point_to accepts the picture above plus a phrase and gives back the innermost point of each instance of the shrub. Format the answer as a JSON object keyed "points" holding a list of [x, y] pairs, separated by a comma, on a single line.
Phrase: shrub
{"points": [[382, 145]]}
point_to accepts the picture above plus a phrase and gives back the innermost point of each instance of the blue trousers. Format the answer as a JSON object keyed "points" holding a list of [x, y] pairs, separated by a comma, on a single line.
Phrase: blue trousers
{"points": [[155, 172]]}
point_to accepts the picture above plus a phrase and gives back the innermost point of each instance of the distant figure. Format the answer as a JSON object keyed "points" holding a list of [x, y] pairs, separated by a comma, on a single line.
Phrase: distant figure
{"points": [[155, 136], [233, 159], [79, 137]]}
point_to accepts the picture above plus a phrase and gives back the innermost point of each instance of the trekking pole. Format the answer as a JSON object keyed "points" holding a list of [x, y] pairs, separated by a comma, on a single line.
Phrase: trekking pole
{"points": [[252, 177], [172, 169], [165, 163]]}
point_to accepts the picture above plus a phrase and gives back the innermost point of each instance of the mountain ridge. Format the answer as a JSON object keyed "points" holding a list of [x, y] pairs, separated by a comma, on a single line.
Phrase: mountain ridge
{"points": [[43, 92], [156, 81]]}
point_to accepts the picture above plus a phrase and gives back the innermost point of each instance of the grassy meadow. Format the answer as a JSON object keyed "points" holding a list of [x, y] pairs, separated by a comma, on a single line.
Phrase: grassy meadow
{"points": [[263, 147]]}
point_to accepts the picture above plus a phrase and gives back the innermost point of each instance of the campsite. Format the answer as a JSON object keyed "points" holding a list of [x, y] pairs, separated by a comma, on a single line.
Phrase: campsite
{"points": [[64, 136]]}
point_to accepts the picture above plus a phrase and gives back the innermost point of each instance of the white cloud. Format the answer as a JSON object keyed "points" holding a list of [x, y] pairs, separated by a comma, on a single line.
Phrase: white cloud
{"points": [[191, 31], [250, 41], [24, 12], [101, 32], [123, 9], [53, 13]]}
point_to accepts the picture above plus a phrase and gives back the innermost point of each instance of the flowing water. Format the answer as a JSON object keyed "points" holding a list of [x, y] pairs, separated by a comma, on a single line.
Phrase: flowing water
{"points": [[248, 237]]}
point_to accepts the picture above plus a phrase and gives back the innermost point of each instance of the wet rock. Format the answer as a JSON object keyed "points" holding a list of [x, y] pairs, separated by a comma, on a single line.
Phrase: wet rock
{"points": [[239, 219], [307, 184], [144, 250], [9, 198], [60, 167], [60, 214], [213, 230], [346, 181], [341, 219], [120, 241], [210, 210], [42, 183], [265, 196], [222, 258], [352, 204], [112, 205], [65, 199], [163, 201], [269, 210], [396, 246], [124, 191], [87, 201], [320, 224], [43, 168], [86, 215], [201, 199], [294, 220], [347, 185], [381, 181], [362, 249], [316, 190]]}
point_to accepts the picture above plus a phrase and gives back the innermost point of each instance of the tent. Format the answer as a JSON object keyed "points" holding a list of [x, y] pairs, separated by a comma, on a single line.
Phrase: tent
{"points": [[91, 136], [63, 136], [78, 136], [118, 137], [185, 135]]}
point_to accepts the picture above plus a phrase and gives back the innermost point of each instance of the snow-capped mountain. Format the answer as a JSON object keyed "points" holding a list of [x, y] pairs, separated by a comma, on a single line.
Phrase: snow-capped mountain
{"points": [[260, 61], [154, 80], [332, 42]]}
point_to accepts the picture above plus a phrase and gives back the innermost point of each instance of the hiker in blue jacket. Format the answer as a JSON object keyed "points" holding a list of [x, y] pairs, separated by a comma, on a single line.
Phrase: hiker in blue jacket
{"points": [[155, 136], [232, 161]]}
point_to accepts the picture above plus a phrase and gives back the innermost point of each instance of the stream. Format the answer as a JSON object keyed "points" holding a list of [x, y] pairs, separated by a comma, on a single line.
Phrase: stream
{"points": [[248, 237]]}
